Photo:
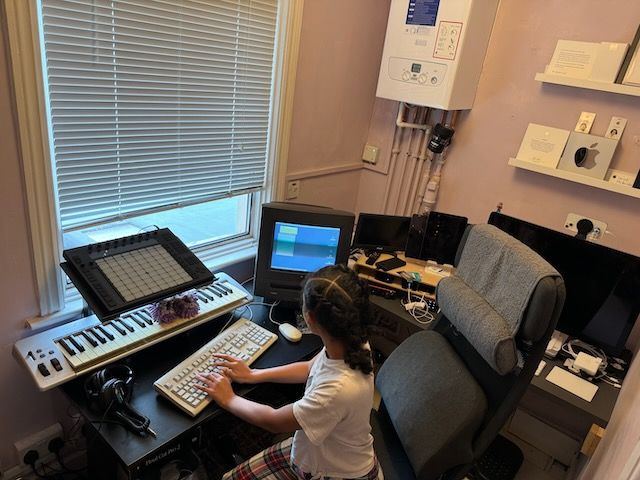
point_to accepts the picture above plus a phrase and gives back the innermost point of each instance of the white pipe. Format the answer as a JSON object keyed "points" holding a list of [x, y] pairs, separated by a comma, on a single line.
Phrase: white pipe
{"points": [[412, 162], [401, 162], [403, 168], [393, 160], [412, 206], [431, 192], [424, 181], [401, 123]]}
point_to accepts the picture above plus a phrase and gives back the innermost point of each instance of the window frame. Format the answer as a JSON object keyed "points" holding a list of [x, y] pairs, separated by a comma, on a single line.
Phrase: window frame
{"points": [[26, 63]]}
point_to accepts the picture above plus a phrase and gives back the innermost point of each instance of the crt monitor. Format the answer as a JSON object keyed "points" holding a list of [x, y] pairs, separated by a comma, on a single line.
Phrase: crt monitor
{"points": [[602, 284], [297, 239], [384, 233]]}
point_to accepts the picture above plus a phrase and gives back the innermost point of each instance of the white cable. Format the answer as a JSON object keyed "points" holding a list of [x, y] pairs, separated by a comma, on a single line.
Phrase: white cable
{"points": [[593, 351], [274, 304], [416, 312]]}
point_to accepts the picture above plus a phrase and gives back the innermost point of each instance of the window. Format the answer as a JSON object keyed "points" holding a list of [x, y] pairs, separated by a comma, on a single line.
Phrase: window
{"points": [[160, 113]]}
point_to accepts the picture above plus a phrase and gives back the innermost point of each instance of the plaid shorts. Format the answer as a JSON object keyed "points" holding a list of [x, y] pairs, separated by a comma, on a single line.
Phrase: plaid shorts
{"points": [[274, 463]]}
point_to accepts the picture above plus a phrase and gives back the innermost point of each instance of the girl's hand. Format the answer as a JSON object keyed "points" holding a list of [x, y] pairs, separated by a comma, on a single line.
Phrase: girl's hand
{"points": [[234, 368], [217, 386]]}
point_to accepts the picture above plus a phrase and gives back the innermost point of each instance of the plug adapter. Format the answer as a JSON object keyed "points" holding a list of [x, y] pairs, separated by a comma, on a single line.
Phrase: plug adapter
{"points": [[587, 363], [412, 305]]}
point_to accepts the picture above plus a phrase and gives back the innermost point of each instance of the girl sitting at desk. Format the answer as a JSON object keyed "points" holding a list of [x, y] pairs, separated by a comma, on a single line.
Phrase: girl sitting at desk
{"points": [[331, 421]]}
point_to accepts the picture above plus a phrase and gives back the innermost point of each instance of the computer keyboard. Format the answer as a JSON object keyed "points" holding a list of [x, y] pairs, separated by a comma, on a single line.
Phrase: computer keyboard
{"points": [[244, 339]]}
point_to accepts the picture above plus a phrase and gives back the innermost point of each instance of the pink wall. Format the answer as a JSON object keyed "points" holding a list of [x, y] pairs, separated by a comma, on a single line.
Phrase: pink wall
{"points": [[476, 175], [341, 45], [24, 409]]}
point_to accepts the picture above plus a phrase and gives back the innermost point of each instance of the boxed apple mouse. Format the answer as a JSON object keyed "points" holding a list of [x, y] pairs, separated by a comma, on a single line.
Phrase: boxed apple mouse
{"points": [[588, 154]]}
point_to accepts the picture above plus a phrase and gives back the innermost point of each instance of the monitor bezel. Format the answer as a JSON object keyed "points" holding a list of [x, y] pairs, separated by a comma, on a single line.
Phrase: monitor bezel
{"points": [[285, 285]]}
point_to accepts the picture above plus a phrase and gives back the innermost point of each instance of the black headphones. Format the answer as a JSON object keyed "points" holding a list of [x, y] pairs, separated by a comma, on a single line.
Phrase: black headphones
{"points": [[109, 391]]}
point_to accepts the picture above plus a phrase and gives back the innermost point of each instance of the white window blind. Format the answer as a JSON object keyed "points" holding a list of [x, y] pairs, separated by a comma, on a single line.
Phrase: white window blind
{"points": [[156, 102]]}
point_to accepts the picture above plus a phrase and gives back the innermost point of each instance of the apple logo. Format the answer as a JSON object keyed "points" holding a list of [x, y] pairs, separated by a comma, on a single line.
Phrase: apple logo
{"points": [[586, 157]]}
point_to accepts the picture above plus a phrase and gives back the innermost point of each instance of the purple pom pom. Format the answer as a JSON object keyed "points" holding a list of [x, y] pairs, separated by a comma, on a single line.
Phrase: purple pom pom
{"points": [[186, 306], [163, 312]]}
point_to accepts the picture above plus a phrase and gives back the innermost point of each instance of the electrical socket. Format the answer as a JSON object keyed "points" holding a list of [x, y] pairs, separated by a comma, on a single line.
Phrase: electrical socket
{"points": [[39, 442], [599, 227], [293, 189]]}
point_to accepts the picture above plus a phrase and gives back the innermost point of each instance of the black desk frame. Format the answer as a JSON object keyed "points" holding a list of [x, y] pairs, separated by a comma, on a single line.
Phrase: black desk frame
{"points": [[136, 455]]}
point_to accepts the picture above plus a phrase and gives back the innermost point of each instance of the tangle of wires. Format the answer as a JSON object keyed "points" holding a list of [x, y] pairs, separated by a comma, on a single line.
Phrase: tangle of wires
{"points": [[417, 305], [575, 346]]}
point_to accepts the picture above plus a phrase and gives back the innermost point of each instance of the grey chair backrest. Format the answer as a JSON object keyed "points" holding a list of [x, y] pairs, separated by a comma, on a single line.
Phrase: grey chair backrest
{"points": [[448, 391]]}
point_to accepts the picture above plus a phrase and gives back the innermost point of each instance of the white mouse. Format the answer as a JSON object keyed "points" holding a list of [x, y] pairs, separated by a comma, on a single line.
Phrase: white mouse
{"points": [[290, 332]]}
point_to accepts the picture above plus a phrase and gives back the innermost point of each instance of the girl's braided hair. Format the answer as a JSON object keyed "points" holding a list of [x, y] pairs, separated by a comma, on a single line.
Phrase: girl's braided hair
{"points": [[340, 302]]}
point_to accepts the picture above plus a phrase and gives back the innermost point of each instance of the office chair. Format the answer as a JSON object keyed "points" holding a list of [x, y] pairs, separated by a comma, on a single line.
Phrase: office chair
{"points": [[446, 392]]}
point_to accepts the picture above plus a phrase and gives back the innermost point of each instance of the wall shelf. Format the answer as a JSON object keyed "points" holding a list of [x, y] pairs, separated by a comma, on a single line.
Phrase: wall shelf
{"points": [[576, 177], [589, 84]]}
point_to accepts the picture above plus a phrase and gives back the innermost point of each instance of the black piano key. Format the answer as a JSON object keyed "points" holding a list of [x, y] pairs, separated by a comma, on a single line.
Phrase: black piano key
{"points": [[145, 316], [126, 325], [96, 334], [66, 346], [202, 297], [224, 287], [78, 346], [89, 339], [120, 330], [215, 291], [105, 332], [140, 323]]}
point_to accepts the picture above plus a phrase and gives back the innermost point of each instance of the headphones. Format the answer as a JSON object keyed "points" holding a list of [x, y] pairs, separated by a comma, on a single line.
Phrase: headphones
{"points": [[109, 391]]}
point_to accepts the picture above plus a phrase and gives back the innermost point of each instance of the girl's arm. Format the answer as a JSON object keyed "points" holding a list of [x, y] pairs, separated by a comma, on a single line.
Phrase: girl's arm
{"points": [[271, 419], [239, 372]]}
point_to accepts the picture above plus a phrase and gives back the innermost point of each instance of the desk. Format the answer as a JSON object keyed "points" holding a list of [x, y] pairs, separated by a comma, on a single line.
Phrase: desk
{"points": [[133, 454]]}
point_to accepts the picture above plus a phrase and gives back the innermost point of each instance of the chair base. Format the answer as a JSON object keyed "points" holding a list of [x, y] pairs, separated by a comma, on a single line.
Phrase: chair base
{"points": [[501, 461]]}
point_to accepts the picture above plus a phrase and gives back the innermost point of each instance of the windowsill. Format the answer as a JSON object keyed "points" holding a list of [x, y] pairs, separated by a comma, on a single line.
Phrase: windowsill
{"points": [[224, 256]]}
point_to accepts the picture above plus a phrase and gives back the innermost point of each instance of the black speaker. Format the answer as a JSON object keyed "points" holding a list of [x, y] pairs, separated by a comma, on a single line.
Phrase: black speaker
{"points": [[109, 391]]}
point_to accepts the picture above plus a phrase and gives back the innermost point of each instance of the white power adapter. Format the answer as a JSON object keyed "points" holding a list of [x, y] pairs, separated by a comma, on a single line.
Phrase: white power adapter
{"points": [[412, 305], [587, 363]]}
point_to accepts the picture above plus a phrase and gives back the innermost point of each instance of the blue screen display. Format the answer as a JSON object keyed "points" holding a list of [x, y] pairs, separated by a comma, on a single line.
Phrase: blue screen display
{"points": [[422, 12], [303, 248]]}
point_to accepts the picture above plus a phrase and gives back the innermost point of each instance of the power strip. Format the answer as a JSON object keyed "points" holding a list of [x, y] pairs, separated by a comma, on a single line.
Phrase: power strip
{"points": [[412, 305]]}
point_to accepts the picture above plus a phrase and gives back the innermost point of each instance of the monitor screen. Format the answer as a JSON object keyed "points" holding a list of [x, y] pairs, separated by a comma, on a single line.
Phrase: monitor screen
{"points": [[386, 233], [602, 302], [303, 248], [296, 239]]}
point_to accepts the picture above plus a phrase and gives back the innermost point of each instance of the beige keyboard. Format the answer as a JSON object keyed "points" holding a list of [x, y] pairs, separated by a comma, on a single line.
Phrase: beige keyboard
{"points": [[244, 340]]}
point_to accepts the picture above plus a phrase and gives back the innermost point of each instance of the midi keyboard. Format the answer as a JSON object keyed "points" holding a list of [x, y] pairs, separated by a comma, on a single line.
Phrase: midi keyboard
{"points": [[60, 354]]}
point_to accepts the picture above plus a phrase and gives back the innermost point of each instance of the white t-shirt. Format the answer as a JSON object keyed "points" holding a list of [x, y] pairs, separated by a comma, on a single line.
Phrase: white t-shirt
{"points": [[335, 440]]}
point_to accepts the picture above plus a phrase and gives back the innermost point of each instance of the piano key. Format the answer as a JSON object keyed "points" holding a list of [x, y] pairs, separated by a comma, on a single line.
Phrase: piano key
{"points": [[98, 335], [213, 290], [144, 315], [126, 324], [104, 332], [66, 346], [224, 287], [74, 343], [202, 297], [118, 328], [89, 339], [135, 318], [205, 294]]}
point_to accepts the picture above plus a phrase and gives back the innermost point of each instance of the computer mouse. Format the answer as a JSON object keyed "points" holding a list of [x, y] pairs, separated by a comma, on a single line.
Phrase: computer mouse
{"points": [[290, 332]]}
